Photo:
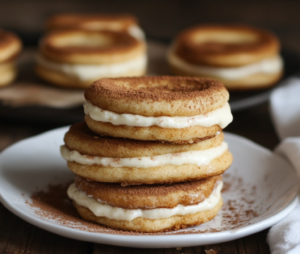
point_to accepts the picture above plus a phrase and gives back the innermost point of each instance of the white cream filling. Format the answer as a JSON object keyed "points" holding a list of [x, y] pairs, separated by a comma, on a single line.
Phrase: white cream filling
{"points": [[200, 157], [268, 66], [136, 32], [101, 209], [221, 117], [93, 72]]}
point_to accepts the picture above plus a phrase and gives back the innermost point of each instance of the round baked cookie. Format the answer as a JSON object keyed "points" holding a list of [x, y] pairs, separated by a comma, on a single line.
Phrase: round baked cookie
{"points": [[151, 208], [240, 57], [96, 22], [10, 47], [175, 222], [133, 162], [149, 196], [169, 109], [76, 58]]}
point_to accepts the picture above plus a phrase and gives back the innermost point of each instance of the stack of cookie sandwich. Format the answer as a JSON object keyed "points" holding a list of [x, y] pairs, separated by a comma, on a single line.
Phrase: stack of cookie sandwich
{"points": [[150, 154]]}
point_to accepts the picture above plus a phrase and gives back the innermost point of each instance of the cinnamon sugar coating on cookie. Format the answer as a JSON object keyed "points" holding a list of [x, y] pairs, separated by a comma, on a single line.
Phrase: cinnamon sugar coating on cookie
{"points": [[149, 196], [158, 96]]}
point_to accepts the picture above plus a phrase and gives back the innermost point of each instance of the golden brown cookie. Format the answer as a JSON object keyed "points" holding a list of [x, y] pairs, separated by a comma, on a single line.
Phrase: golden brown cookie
{"points": [[76, 58], [10, 47], [175, 222], [149, 196], [241, 57]]}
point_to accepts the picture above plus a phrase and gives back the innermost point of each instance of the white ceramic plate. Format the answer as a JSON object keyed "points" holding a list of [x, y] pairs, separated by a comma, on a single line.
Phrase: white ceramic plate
{"points": [[261, 188]]}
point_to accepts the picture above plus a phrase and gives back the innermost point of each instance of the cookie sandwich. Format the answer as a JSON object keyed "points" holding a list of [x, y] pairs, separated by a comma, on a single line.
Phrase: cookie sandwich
{"points": [[181, 110], [241, 57], [76, 58], [133, 162], [154, 208]]}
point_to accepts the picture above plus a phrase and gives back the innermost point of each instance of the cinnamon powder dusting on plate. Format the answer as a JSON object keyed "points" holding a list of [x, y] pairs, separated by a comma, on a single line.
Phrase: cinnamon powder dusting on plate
{"points": [[54, 205]]}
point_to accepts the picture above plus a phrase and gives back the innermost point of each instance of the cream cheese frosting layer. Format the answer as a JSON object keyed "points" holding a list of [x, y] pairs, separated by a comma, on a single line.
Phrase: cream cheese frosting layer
{"points": [[268, 66], [201, 157], [90, 72], [100, 209], [221, 117]]}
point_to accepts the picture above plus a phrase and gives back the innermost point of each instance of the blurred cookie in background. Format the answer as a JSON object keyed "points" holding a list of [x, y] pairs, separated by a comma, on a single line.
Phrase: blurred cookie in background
{"points": [[75, 58], [95, 22], [241, 57], [10, 47]]}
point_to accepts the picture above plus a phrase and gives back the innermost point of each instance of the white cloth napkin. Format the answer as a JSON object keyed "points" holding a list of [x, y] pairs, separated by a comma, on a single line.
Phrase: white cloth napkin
{"points": [[284, 237], [285, 108]]}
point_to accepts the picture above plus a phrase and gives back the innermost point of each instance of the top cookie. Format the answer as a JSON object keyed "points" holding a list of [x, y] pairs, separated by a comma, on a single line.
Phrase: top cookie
{"points": [[158, 96]]}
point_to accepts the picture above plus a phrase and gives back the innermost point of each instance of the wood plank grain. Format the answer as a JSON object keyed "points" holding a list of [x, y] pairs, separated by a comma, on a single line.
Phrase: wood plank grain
{"points": [[252, 244], [18, 236], [257, 243]]}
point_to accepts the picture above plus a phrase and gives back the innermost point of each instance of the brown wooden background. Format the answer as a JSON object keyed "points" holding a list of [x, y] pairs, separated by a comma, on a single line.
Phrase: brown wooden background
{"points": [[162, 20]]}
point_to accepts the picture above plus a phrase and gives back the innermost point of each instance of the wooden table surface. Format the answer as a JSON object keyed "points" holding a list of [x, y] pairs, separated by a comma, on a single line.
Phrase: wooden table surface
{"points": [[160, 19], [18, 236]]}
